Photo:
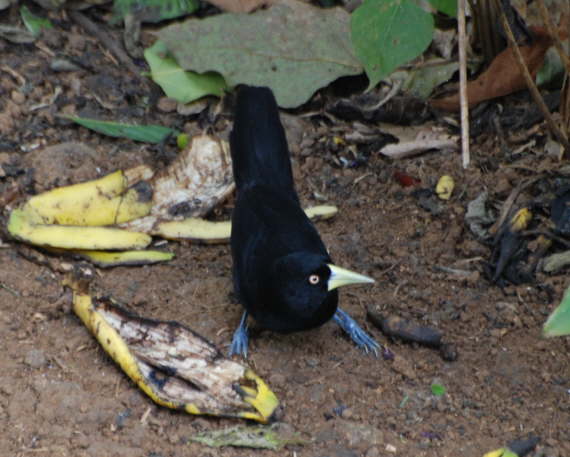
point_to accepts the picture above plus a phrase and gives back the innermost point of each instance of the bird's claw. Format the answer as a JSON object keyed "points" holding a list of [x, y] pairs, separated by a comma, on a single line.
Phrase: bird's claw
{"points": [[240, 339], [359, 336]]}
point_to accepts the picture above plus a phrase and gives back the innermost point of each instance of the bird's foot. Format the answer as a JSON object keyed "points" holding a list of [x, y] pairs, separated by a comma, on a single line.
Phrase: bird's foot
{"points": [[240, 339], [359, 336]]}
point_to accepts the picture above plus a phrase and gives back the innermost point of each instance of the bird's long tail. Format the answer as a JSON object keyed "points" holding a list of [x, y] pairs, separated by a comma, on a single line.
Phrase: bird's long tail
{"points": [[258, 144]]}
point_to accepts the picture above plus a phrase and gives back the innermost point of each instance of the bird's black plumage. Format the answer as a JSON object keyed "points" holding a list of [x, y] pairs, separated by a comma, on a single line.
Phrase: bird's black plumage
{"points": [[282, 270]]}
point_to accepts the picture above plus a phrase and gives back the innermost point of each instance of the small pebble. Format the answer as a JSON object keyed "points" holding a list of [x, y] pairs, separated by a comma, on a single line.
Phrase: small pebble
{"points": [[448, 352], [391, 448], [311, 362], [76, 41], [404, 367], [166, 104], [17, 97], [373, 452], [63, 65], [190, 109], [276, 379]]}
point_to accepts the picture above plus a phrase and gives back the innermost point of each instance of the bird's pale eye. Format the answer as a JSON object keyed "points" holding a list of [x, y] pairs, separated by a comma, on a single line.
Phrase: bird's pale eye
{"points": [[314, 279]]}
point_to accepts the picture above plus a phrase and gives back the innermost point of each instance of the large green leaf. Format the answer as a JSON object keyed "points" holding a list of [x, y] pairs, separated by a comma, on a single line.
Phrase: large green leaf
{"points": [[154, 10], [292, 47], [144, 133], [184, 86], [558, 323], [421, 81], [388, 33]]}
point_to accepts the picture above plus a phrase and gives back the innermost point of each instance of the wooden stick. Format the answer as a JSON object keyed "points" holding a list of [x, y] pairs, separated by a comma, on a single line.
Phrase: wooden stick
{"points": [[463, 84]]}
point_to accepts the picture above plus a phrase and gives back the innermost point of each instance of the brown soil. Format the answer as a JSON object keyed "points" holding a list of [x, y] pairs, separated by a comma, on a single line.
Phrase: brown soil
{"points": [[61, 395]]}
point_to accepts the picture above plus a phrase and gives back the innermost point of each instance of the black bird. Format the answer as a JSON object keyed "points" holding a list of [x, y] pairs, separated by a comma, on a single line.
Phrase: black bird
{"points": [[283, 274]]}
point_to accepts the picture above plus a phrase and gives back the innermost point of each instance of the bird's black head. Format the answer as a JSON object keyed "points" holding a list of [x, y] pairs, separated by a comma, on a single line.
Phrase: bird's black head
{"points": [[300, 287]]}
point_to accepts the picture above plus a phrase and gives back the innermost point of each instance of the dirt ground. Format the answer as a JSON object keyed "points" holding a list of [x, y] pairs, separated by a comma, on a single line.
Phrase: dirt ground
{"points": [[61, 395]]}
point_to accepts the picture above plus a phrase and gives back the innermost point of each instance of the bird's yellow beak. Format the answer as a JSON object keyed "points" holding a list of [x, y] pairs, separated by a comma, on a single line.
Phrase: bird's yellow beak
{"points": [[341, 277]]}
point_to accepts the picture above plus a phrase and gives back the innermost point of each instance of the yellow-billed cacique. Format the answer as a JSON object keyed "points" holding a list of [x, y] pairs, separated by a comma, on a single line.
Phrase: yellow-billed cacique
{"points": [[283, 274]]}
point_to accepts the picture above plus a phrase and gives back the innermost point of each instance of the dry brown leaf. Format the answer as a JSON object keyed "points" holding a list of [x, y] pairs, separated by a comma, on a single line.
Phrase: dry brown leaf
{"points": [[503, 76], [414, 140]]}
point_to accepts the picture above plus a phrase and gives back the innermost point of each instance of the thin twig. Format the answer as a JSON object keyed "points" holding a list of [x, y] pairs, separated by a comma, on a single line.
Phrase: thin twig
{"points": [[565, 94], [14, 292], [565, 102], [560, 136], [105, 39], [463, 84]]}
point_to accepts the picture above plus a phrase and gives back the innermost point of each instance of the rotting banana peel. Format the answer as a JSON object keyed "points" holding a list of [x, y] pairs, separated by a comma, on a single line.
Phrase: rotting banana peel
{"points": [[108, 259], [104, 201], [112, 259], [172, 364], [195, 229], [209, 232], [78, 216], [22, 226]]}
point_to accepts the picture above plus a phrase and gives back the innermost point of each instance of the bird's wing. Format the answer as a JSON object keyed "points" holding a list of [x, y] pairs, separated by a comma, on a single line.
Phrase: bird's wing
{"points": [[277, 219]]}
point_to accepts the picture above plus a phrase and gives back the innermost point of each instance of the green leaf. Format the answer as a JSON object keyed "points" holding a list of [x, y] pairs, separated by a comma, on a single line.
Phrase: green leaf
{"points": [[144, 133], [388, 33], [184, 86], [437, 389], [558, 323], [261, 437], [552, 68], [153, 10], [182, 140], [292, 47], [421, 81], [33, 23], [448, 7]]}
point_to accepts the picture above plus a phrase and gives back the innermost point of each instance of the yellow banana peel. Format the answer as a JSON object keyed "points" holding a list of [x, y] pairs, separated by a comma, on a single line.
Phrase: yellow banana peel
{"points": [[67, 205], [108, 259], [210, 232], [78, 217], [22, 226], [195, 229], [172, 364], [104, 201]]}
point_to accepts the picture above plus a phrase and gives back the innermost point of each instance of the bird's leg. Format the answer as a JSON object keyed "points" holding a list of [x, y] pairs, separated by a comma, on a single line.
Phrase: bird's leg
{"points": [[240, 338], [359, 336]]}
